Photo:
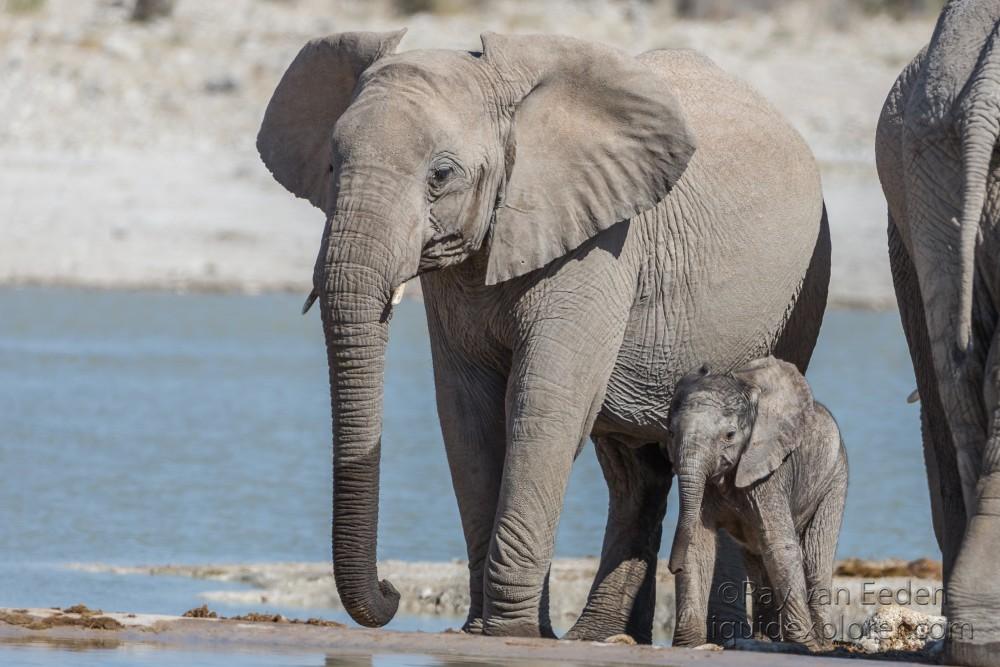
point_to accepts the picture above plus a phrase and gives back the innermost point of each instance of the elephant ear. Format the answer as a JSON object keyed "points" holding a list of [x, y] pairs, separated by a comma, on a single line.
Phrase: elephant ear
{"points": [[294, 137], [784, 405], [596, 137]]}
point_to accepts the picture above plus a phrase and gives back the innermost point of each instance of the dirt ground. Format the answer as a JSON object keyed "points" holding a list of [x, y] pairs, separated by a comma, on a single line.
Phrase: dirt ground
{"points": [[236, 635]]}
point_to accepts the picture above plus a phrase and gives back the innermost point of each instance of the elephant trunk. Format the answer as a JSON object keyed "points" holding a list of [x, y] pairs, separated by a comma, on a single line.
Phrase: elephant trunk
{"points": [[980, 128], [352, 277], [691, 490]]}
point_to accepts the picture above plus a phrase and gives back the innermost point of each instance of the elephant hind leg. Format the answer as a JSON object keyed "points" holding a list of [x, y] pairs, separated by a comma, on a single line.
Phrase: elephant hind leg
{"points": [[623, 596], [819, 548], [973, 592], [727, 613], [797, 341], [945, 484]]}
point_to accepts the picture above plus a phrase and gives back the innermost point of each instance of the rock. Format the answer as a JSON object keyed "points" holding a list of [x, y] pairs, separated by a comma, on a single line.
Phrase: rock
{"points": [[147, 10], [121, 45], [896, 628], [200, 612], [221, 85]]}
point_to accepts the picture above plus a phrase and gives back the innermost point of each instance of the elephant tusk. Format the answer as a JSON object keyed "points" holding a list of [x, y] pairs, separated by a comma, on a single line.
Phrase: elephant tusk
{"points": [[397, 296], [914, 396], [310, 300]]}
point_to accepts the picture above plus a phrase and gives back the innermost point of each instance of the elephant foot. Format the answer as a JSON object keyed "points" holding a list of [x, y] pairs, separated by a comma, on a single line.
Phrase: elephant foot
{"points": [[588, 634], [621, 605], [593, 626], [689, 631], [473, 626], [588, 631], [495, 627]]}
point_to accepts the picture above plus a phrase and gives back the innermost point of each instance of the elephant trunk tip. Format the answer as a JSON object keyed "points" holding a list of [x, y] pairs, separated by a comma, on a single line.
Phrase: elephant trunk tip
{"points": [[378, 609], [679, 550]]}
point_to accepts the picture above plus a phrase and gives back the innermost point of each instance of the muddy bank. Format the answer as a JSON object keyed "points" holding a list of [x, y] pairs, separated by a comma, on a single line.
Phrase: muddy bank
{"points": [[441, 589], [237, 635]]}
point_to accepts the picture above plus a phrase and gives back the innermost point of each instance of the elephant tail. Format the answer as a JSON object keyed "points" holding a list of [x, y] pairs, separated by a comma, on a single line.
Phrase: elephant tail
{"points": [[980, 129]]}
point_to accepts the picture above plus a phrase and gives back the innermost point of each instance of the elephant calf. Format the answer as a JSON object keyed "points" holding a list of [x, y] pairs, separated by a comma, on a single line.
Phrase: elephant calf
{"points": [[755, 455]]}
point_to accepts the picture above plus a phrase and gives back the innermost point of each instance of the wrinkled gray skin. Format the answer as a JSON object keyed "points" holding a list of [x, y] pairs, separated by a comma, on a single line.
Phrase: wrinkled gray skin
{"points": [[566, 291], [935, 149], [756, 456]]}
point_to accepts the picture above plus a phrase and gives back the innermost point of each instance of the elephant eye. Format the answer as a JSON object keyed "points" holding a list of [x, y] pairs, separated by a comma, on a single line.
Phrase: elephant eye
{"points": [[730, 436], [440, 175]]}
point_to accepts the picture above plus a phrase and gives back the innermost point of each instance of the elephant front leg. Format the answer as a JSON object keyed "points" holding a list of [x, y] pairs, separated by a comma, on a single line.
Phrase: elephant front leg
{"points": [[781, 554], [623, 597], [556, 389], [539, 456]]}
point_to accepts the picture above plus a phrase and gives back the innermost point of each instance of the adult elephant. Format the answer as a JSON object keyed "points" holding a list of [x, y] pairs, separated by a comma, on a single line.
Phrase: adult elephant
{"points": [[935, 148], [566, 291]]}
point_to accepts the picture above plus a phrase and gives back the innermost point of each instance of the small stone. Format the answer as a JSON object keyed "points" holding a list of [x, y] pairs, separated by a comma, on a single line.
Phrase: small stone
{"points": [[221, 85], [200, 612], [708, 647]]}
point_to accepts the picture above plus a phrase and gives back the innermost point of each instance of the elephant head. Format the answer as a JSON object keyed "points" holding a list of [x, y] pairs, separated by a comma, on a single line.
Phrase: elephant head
{"points": [[423, 159], [745, 421]]}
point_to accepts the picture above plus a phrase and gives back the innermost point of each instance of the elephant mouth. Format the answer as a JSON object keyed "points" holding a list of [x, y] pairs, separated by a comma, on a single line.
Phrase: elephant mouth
{"points": [[725, 468], [443, 250]]}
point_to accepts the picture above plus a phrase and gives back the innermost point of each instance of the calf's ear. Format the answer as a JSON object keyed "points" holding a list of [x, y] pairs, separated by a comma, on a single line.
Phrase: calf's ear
{"points": [[783, 405]]}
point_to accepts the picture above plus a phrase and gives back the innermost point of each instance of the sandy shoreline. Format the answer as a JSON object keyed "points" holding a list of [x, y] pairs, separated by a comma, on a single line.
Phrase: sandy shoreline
{"points": [[441, 588], [70, 630], [128, 161]]}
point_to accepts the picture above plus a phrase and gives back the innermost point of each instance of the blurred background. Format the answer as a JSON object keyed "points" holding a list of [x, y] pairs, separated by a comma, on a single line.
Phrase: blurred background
{"points": [[161, 399]]}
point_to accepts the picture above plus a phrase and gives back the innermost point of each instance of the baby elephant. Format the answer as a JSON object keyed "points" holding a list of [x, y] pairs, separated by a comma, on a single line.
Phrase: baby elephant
{"points": [[755, 455]]}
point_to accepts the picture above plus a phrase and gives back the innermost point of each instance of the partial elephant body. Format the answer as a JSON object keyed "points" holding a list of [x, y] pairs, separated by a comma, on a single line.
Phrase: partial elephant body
{"points": [[758, 457], [714, 272], [723, 259], [586, 226], [810, 488], [935, 150]]}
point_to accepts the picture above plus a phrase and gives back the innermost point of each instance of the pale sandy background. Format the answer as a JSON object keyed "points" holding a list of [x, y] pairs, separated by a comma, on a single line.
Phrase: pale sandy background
{"points": [[127, 150]]}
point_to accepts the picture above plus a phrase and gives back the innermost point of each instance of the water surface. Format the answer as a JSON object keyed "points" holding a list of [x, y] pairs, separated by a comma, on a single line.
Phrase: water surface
{"points": [[151, 428]]}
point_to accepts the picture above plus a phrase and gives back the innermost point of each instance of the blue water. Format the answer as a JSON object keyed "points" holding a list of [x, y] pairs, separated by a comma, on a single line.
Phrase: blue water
{"points": [[151, 428]]}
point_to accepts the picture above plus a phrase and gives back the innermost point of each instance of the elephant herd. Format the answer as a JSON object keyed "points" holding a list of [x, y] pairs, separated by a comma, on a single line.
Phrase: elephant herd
{"points": [[590, 229]]}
